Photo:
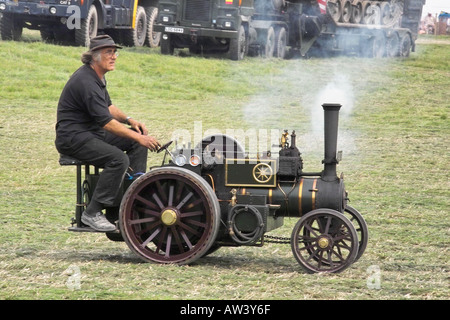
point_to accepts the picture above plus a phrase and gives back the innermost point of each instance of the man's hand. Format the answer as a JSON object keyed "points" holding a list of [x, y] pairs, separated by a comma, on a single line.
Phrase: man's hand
{"points": [[119, 129], [149, 142], [138, 126]]}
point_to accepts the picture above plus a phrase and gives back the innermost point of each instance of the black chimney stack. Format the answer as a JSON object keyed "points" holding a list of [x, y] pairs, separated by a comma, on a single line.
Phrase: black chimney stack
{"points": [[331, 119]]}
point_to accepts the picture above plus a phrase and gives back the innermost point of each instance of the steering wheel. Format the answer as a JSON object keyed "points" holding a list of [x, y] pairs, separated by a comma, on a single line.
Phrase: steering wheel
{"points": [[164, 147]]}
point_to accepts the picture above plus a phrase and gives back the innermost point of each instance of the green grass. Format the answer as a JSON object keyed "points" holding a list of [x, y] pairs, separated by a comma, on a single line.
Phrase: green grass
{"points": [[394, 132]]}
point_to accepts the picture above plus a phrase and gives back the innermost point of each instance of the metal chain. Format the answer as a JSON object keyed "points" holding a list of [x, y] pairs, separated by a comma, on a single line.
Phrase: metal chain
{"points": [[275, 239]]}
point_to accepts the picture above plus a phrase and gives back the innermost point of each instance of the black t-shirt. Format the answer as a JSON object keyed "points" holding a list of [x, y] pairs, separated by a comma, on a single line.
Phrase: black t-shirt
{"points": [[82, 110]]}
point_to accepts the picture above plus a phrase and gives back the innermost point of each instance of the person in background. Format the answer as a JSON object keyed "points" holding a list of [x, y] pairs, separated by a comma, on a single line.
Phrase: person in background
{"points": [[429, 23]]}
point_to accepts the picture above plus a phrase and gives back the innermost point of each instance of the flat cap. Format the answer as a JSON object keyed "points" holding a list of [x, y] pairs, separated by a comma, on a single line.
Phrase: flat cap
{"points": [[103, 41]]}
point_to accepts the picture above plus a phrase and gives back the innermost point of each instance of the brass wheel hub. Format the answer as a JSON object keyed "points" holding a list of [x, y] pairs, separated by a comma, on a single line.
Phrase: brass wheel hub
{"points": [[169, 217], [323, 242]]}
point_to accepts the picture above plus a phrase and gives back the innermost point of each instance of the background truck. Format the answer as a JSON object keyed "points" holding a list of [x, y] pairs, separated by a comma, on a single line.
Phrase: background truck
{"points": [[129, 22], [275, 27]]}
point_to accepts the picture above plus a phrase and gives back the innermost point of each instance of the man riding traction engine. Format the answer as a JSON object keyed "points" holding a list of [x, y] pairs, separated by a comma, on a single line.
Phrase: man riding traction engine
{"points": [[215, 195]]}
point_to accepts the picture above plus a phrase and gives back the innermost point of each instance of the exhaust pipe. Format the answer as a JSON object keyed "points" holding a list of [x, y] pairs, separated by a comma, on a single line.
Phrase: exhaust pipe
{"points": [[331, 120]]}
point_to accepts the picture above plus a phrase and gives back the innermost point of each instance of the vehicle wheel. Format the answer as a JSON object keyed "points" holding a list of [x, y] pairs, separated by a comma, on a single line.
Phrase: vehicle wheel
{"points": [[88, 28], [167, 46], [136, 37], [393, 46], [170, 215], [367, 13], [374, 47], [112, 214], [86, 193], [346, 11], [281, 40], [47, 35], [357, 13], [269, 45], [334, 9], [238, 47], [361, 229], [152, 38], [324, 240], [387, 13], [379, 47], [10, 27], [405, 46], [63, 36]]}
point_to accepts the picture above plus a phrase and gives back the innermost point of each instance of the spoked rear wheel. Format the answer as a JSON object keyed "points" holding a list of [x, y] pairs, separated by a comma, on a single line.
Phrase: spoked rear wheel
{"points": [[324, 240], [169, 215], [361, 229]]}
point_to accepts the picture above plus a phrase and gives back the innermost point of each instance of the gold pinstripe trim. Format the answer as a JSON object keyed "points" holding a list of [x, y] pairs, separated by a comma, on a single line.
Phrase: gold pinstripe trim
{"points": [[300, 190], [313, 205]]}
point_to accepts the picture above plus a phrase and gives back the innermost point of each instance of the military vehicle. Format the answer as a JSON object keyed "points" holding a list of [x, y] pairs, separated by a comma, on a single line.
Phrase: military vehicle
{"points": [[129, 22], [270, 28]]}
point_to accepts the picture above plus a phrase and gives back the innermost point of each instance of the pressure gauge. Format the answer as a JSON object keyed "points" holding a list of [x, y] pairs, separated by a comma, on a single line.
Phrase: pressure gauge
{"points": [[180, 160], [194, 160]]}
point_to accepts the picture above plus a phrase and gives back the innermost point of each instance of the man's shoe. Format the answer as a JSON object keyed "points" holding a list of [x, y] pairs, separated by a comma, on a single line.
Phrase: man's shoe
{"points": [[97, 222]]}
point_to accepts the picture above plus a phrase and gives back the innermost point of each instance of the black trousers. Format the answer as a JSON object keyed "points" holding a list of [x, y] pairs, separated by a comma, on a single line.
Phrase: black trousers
{"points": [[109, 155]]}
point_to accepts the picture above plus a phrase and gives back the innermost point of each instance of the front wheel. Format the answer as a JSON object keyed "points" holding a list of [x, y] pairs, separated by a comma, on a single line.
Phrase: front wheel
{"points": [[10, 27], [393, 46], [136, 37], [269, 44], [374, 47], [281, 40], [324, 240], [170, 215], [88, 28], [405, 46], [153, 38], [239, 46]]}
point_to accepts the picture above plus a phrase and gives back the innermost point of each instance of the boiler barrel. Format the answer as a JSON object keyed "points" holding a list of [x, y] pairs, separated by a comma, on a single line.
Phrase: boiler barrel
{"points": [[305, 195]]}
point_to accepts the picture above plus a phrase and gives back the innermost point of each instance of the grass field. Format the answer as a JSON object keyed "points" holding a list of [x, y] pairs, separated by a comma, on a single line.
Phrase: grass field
{"points": [[394, 133]]}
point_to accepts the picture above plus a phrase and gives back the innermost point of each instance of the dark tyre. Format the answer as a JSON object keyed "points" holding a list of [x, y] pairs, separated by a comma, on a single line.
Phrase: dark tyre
{"points": [[405, 46], [334, 9], [374, 47], [112, 214], [269, 45], [136, 37], [324, 240], [47, 35], [357, 14], [152, 38], [281, 40], [346, 9], [88, 28], [239, 47], [10, 27], [361, 229], [393, 46], [170, 215]]}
